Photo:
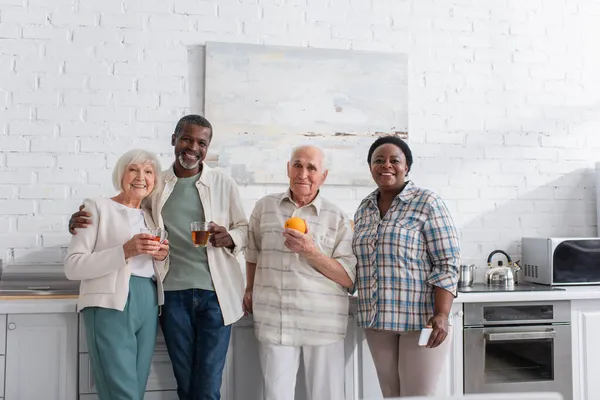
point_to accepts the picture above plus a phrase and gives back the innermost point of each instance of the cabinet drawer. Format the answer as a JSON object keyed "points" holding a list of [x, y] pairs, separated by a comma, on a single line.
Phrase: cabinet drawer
{"points": [[169, 395], [2, 361], [2, 336], [83, 348], [161, 374]]}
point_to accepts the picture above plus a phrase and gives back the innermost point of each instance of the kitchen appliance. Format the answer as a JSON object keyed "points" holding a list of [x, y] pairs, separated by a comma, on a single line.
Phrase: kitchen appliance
{"points": [[466, 275], [36, 279], [561, 261], [518, 347], [501, 275]]}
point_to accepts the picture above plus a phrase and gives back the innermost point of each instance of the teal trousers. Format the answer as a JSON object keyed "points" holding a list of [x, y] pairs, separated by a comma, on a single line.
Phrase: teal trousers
{"points": [[121, 343]]}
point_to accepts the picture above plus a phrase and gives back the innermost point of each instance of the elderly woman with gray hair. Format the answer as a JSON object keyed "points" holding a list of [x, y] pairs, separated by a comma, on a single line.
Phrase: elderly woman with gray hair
{"points": [[119, 260]]}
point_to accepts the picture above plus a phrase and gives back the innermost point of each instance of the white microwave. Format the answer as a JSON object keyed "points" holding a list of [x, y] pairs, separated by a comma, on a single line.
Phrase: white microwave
{"points": [[561, 261]]}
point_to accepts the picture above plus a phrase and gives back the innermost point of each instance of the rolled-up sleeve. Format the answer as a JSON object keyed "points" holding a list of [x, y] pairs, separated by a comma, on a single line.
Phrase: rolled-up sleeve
{"points": [[443, 247], [342, 251], [254, 237]]}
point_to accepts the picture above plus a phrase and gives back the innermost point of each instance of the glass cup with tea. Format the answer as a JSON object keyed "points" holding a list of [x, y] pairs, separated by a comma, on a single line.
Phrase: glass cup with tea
{"points": [[200, 233], [160, 235]]}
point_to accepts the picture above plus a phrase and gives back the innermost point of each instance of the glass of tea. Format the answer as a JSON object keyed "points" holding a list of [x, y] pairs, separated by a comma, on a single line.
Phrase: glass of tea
{"points": [[200, 233], [159, 234]]}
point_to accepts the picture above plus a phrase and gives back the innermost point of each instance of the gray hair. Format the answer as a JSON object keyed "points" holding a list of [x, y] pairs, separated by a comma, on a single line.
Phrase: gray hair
{"points": [[136, 156], [311, 146]]}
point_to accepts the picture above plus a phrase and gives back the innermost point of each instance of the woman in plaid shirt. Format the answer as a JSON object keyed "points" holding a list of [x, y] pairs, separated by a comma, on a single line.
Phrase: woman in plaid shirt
{"points": [[407, 273]]}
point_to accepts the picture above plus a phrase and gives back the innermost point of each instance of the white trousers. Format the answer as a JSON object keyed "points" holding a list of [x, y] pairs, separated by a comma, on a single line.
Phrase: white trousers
{"points": [[323, 369]]}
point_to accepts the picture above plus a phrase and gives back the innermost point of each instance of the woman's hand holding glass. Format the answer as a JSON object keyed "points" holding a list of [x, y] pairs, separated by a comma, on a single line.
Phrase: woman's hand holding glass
{"points": [[142, 243]]}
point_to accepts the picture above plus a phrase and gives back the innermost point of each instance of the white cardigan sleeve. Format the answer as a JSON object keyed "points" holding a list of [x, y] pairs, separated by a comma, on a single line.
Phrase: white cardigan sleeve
{"points": [[82, 262]]}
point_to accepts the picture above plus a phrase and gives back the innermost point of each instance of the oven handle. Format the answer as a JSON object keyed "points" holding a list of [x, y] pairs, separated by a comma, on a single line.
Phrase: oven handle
{"points": [[498, 336]]}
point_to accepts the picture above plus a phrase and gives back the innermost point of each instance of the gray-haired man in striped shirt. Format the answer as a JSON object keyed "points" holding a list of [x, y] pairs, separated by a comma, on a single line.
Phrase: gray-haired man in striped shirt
{"points": [[297, 283]]}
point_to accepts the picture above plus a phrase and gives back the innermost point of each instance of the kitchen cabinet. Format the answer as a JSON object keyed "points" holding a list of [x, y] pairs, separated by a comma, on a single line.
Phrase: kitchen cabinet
{"points": [[2, 335], [160, 379], [2, 352], [585, 324], [51, 350], [242, 378], [2, 364], [451, 381], [41, 357]]}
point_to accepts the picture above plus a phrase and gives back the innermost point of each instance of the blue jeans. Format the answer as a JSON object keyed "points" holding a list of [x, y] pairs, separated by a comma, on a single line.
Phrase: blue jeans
{"points": [[197, 342]]}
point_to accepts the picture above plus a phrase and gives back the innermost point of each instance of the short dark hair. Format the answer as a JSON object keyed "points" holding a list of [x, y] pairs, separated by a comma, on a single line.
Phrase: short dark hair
{"points": [[401, 144], [192, 119]]}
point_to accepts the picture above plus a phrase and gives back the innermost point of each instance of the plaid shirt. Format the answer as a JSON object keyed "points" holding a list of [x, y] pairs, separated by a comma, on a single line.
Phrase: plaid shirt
{"points": [[402, 257]]}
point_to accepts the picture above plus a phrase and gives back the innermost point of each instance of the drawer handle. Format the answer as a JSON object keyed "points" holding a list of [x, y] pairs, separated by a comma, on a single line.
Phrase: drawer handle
{"points": [[493, 337], [12, 326]]}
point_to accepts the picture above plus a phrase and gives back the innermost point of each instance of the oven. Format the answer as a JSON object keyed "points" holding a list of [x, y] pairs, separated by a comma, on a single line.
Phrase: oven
{"points": [[518, 347]]}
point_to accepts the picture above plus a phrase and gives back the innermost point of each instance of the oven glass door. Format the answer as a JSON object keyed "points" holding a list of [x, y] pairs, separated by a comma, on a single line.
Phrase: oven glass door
{"points": [[518, 358]]}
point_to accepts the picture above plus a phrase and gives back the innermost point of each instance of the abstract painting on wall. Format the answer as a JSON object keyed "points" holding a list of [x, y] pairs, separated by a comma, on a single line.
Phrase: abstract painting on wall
{"points": [[264, 100]]}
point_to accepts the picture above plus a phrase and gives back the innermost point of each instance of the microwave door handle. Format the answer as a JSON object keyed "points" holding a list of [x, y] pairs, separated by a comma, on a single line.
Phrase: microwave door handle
{"points": [[505, 336]]}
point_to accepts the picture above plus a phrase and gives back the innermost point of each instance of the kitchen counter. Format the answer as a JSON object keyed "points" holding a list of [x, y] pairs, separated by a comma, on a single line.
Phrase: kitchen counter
{"points": [[570, 293], [35, 325], [68, 303]]}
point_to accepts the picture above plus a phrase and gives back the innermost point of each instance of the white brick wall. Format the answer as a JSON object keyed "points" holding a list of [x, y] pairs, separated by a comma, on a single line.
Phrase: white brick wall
{"points": [[504, 115]]}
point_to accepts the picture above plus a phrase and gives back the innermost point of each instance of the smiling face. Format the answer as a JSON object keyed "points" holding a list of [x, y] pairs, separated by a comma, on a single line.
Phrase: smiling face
{"points": [[306, 173], [388, 167], [138, 180], [191, 146]]}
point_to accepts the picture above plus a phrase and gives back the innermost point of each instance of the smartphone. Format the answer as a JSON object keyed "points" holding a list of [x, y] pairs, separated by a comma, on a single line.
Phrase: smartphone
{"points": [[424, 338]]}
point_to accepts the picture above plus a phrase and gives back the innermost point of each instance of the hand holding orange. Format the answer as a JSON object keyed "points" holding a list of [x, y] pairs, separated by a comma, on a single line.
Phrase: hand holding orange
{"points": [[296, 223]]}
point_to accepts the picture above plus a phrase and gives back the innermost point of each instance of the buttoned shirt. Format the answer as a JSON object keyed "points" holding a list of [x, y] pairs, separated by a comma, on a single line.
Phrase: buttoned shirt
{"points": [[293, 303], [402, 257], [222, 203]]}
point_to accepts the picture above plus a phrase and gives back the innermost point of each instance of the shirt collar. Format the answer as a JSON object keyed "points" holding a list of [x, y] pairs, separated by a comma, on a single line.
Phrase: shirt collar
{"points": [[204, 176], [406, 195], [316, 203]]}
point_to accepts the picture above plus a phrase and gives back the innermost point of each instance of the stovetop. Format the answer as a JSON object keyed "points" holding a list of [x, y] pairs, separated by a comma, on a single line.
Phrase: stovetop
{"points": [[520, 287]]}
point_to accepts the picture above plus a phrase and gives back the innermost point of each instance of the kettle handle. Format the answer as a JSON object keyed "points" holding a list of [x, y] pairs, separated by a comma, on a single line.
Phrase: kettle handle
{"points": [[489, 260]]}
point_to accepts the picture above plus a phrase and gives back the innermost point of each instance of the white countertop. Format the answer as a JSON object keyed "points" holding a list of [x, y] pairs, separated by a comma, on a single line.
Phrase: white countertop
{"points": [[44, 305], [570, 293]]}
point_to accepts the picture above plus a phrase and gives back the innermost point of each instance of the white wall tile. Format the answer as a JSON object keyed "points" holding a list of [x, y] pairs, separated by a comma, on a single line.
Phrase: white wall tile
{"points": [[503, 114]]}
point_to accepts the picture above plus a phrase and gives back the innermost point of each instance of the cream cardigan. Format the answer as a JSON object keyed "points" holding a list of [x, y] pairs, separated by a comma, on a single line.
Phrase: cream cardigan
{"points": [[96, 258]]}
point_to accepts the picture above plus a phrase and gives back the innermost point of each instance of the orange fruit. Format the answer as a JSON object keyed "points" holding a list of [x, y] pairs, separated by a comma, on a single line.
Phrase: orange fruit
{"points": [[296, 223]]}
